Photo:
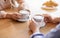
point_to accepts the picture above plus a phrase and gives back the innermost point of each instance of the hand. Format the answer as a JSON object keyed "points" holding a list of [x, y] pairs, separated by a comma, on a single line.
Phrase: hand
{"points": [[32, 26], [47, 18], [16, 16]]}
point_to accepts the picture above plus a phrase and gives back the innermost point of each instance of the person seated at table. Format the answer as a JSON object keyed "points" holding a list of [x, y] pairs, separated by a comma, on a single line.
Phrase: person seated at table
{"points": [[54, 33]]}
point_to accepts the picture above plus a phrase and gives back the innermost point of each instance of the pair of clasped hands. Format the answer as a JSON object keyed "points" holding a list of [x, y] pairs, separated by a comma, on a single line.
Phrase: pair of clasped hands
{"points": [[16, 16]]}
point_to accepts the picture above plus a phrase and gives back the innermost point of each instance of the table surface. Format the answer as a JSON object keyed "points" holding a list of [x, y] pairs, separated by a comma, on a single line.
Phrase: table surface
{"points": [[13, 29]]}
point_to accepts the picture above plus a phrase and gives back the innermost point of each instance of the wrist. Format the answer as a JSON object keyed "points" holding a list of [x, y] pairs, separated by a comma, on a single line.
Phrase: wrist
{"points": [[36, 30], [8, 16], [3, 16], [56, 20]]}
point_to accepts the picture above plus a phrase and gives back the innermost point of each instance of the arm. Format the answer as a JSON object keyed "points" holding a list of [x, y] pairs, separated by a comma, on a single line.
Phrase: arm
{"points": [[8, 16], [56, 20], [5, 16], [13, 16], [36, 32], [54, 33], [48, 18]]}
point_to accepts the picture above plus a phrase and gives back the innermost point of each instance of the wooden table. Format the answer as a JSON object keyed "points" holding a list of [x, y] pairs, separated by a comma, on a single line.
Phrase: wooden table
{"points": [[13, 29]]}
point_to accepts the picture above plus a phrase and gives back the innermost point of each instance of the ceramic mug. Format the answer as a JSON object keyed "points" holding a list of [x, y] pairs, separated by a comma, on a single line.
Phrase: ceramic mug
{"points": [[25, 15], [38, 20]]}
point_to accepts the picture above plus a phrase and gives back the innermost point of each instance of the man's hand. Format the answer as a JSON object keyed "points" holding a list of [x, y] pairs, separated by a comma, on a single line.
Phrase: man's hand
{"points": [[32, 26], [47, 18]]}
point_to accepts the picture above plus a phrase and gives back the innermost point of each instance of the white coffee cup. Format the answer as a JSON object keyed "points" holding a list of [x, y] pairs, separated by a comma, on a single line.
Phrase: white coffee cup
{"points": [[25, 15], [39, 21]]}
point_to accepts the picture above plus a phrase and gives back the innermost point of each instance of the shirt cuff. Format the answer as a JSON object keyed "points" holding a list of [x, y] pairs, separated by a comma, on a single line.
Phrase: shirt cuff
{"points": [[36, 35]]}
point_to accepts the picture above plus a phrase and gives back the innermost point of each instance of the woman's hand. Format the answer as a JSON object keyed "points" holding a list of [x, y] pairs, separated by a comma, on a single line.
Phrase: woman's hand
{"points": [[16, 16]]}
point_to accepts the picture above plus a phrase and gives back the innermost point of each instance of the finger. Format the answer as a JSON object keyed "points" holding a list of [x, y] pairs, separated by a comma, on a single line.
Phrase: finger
{"points": [[14, 18], [47, 19], [18, 15]]}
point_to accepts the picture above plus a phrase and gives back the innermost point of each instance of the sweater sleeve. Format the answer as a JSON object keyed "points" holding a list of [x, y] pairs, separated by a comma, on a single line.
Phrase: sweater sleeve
{"points": [[37, 35]]}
